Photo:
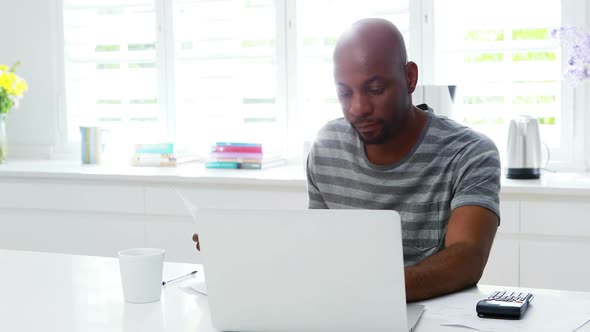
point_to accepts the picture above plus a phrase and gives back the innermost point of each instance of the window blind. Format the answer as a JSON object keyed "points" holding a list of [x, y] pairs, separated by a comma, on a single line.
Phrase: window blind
{"points": [[226, 73], [111, 71], [503, 60]]}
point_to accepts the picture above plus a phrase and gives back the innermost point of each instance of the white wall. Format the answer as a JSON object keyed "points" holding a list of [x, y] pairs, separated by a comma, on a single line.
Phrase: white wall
{"points": [[32, 128]]}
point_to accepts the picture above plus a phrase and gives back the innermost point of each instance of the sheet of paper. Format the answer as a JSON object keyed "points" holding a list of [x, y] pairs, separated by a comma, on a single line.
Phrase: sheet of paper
{"points": [[545, 313], [197, 286]]}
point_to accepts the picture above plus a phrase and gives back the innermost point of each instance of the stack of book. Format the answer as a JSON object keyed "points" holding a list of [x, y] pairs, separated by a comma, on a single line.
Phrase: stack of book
{"points": [[160, 154], [240, 156]]}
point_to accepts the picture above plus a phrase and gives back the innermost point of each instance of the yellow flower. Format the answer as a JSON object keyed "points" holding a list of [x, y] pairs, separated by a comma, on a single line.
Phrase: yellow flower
{"points": [[21, 87], [4, 81], [12, 88], [13, 84]]}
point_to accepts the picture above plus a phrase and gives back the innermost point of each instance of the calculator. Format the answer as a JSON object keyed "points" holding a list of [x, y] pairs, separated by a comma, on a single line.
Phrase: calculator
{"points": [[504, 305]]}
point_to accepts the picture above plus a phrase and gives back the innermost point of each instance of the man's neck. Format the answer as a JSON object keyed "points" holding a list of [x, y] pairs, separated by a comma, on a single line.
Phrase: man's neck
{"points": [[400, 145]]}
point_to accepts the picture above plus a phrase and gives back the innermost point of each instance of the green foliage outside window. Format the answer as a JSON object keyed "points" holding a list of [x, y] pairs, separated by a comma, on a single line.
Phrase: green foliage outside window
{"points": [[547, 121], [142, 65], [485, 57], [141, 47], [258, 43], [484, 35], [258, 100], [530, 34], [109, 102], [475, 100], [152, 101], [533, 56], [107, 48], [546, 99], [540, 99], [108, 66]]}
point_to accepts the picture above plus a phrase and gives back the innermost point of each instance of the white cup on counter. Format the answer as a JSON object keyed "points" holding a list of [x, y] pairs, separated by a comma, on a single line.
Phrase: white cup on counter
{"points": [[141, 274]]}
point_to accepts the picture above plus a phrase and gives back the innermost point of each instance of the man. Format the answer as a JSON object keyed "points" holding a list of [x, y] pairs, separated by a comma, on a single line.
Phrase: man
{"points": [[443, 178]]}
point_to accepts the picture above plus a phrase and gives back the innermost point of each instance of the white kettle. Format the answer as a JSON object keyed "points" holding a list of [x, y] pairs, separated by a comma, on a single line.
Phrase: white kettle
{"points": [[524, 148]]}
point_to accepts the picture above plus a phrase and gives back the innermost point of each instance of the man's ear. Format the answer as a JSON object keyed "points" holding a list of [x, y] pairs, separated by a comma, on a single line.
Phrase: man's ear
{"points": [[411, 75]]}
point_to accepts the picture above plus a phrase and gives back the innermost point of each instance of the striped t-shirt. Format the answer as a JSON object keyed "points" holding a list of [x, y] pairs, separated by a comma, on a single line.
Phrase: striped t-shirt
{"points": [[450, 166]]}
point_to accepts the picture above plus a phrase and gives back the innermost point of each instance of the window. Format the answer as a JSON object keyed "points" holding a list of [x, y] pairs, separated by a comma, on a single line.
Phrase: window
{"points": [[200, 71], [226, 75], [504, 62], [111, 70]]}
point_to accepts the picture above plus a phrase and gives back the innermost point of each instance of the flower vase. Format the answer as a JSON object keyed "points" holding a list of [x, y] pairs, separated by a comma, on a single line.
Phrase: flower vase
{"points": [[3, 142]]}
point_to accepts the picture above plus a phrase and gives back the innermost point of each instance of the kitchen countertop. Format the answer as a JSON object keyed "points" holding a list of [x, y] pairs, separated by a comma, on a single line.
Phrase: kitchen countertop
{"points": [[184, 173], [558, 183]]}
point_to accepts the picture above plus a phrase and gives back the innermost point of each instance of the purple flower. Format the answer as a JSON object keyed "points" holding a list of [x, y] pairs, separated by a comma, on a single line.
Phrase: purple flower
{"points": [[571, 61], [577, 44], [573, 76]]}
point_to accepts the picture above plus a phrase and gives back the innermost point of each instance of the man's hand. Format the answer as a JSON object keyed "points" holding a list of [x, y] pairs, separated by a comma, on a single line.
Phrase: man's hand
{"points": [[196, 241]]}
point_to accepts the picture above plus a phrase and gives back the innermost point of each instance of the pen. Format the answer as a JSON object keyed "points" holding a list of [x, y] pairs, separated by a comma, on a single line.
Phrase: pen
{"points": [[164, 283]]}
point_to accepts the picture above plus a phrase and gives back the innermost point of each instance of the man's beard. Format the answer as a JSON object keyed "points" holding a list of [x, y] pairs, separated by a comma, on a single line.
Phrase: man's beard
{"points": [[380, 138]]}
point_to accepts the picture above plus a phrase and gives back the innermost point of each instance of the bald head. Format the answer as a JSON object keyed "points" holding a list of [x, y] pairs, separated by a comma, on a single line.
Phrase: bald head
{"points": [[374, 80], [372, 39]]}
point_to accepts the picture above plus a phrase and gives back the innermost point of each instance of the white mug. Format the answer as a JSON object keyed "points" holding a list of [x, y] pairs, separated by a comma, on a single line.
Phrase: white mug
{"points": [[141, 274]]}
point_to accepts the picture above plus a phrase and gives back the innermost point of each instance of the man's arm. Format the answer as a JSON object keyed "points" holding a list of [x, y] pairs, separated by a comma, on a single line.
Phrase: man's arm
{"points": [[315, 198], [469, 238]]}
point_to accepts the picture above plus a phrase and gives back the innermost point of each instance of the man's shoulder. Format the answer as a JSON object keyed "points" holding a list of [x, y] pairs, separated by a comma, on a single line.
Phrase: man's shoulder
{"points": [[336, 140], [449, 132], [338, 125], [337, 129]]}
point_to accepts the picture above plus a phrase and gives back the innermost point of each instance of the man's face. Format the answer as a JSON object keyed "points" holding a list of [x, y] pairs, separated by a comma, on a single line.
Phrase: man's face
{"points": [[373, 94]]}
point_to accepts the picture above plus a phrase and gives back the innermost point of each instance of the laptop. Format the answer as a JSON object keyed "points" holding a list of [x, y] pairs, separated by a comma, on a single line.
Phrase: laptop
{"points": [[305, 270]]}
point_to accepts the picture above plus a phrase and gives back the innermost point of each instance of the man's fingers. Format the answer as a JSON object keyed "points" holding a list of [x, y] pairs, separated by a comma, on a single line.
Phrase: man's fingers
{"points": [[196, 240]]}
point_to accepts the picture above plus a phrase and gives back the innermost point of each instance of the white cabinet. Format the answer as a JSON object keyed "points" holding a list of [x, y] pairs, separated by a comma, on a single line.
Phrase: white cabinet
{"points": [[502, 266], [103, 217], [543, 239], [82, 196], [555, 264], [556, 243], [166, 200], [509, 216], [561, 216], [70, 232]]}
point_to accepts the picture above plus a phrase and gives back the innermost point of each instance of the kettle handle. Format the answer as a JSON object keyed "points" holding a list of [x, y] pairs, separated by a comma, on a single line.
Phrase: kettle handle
{"points": [[548, 158]]}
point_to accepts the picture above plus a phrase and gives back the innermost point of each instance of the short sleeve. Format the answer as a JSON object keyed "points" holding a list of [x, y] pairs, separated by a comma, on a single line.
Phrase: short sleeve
{"points": [[315, 198], [477, 177]]}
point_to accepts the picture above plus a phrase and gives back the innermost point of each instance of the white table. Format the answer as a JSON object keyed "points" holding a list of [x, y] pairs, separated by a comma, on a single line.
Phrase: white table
{"points": [[57, 292]]}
